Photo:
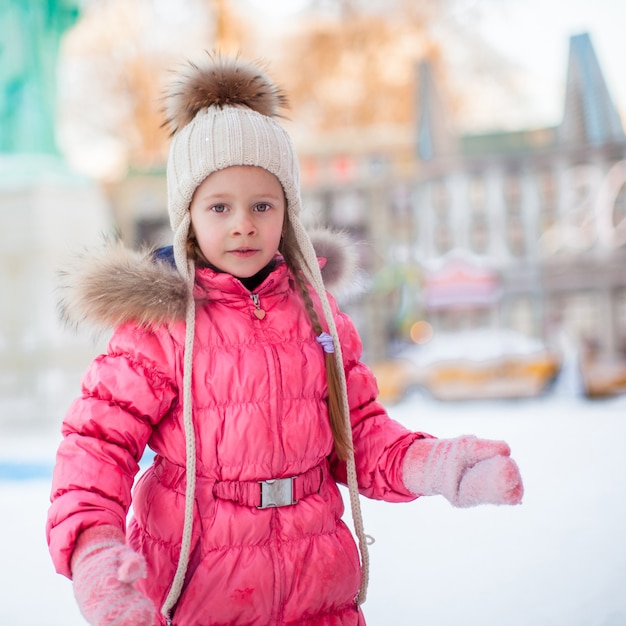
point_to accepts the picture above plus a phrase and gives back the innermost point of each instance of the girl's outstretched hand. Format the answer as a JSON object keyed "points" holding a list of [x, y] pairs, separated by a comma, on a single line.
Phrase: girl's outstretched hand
{"points": [[104, 570], [466, 470]]}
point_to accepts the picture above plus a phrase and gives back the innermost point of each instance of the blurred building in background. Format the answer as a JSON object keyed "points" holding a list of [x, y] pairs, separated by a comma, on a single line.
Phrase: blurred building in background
{"points": [[521, 230], [518, 231]]}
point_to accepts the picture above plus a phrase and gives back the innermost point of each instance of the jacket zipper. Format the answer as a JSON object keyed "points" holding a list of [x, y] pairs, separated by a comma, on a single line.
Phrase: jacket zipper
{"points": [[259, 313], [278, 565]]}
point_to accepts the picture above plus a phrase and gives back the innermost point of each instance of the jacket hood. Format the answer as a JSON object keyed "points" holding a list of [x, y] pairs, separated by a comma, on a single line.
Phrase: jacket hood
{"points": [[113, 284]]}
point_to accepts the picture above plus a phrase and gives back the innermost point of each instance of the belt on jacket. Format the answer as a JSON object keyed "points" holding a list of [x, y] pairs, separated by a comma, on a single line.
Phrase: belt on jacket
{"points": [[273, 492]]}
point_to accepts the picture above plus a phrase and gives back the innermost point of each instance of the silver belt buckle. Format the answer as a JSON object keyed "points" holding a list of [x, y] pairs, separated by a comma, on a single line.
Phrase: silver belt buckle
{"points": [[276, 492]]}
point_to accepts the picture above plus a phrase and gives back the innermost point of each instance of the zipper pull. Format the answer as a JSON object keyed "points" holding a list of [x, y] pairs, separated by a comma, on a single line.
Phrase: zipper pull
{"points": [[258, 311]]}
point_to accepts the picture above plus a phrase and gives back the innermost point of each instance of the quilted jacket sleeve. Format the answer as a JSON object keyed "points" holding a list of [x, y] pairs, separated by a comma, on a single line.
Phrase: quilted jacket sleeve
{"points": [[124, 393], [380, 442]]}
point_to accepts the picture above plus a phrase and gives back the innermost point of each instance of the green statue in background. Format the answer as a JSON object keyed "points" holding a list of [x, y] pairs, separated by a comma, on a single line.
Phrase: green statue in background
{"points": [[30, 34]]}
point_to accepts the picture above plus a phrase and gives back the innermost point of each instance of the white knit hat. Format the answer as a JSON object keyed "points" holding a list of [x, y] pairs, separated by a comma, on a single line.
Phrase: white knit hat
{"points": [[222, 114]]}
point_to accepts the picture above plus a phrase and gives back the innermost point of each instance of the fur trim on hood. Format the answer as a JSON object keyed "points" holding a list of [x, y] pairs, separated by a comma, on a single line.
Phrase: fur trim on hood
{"points": [[114, 285]]}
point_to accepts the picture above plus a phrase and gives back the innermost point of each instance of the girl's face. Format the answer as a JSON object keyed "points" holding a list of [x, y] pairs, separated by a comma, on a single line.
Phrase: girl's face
{"points": [[237, 215]]}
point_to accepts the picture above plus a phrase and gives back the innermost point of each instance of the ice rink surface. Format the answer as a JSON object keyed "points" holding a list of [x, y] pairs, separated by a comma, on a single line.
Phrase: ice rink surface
{"points": [[559, 559]]}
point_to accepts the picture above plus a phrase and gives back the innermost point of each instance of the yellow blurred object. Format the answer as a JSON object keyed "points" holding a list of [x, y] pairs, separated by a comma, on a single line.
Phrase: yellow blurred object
{"points": [[602, 376], [512, 377], [395, 378], [479, 364]]}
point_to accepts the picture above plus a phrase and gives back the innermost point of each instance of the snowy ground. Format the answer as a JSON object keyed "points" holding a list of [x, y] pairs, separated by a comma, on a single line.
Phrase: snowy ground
{"points": [[559, 559]]}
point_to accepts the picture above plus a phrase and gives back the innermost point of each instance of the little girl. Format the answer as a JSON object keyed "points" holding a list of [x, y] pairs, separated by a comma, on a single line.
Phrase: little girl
{"points": [[233, 363]]}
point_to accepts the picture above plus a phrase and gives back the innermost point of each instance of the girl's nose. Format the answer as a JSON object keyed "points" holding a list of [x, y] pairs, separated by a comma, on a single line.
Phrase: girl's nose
{"points": [[244, 225]]}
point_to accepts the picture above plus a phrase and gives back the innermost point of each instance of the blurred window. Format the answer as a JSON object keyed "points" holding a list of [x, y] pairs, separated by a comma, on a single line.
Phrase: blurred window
{"points": [[479, 234], [515, 235]]}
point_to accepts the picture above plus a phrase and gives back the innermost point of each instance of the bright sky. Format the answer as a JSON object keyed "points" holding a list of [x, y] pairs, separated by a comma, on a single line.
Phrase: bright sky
{"points": [[534, 34]]}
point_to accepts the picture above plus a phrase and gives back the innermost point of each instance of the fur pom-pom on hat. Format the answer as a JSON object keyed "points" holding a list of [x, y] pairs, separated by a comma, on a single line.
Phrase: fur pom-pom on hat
{"points": [[222, 82]]}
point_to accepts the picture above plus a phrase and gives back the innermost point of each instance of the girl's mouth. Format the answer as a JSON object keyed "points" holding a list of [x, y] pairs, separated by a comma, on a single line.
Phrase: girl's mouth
{"points": [[244, 252]]}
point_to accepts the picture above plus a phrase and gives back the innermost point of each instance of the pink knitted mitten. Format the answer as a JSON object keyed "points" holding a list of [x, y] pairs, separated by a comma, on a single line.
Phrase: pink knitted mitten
{"points": [[104, 570], [467, 471]]}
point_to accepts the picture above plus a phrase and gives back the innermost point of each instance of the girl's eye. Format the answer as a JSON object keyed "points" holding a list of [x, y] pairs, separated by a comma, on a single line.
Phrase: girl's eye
{"points": [[218, 208], [262, 208]]}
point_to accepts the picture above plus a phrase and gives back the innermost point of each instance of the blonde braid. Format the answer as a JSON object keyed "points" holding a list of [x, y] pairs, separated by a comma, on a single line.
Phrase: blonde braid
{"points": [[299, 248], [343, 444]]}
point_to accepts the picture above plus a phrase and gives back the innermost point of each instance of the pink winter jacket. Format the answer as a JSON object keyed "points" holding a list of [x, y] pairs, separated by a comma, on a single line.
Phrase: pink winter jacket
{"points": [[259, 409]]}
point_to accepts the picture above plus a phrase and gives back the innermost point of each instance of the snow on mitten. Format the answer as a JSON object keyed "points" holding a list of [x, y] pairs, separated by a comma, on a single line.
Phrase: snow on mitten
{"points": [[104, 570], [467, 471]]}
